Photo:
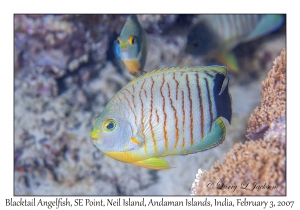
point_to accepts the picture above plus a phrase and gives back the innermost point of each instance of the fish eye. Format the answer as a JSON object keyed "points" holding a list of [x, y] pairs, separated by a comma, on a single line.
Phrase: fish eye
{"points": [[109, 125], [132, 40]]}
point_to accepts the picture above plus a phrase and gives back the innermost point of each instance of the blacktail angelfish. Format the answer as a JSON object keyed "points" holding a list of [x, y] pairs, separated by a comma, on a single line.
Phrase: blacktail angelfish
{"points": [[172, 111], [131, 46], [216, 35]]}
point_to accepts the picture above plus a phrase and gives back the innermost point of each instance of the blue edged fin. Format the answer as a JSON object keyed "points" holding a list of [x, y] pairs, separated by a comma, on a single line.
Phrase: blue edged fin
{"points": [[267, 25], [117, 50], [117, 54], [153, 163], [215, 137]]}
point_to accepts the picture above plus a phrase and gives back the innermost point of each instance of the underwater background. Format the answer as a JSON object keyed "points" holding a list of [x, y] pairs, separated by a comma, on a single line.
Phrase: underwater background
{"points": [[65, 73]]}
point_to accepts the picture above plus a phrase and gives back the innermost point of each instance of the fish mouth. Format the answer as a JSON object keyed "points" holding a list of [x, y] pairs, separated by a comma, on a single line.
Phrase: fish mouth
{"points": [[93, 140], [94, 137], [125, 55]]}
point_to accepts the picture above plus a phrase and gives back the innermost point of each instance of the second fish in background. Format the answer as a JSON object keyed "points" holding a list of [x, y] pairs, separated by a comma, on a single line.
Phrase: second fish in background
{"points": [[216, 35], [130, 47]]}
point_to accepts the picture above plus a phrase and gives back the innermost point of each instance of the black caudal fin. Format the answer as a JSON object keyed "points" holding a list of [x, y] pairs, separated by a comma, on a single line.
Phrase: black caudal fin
{"points": [[222, 96]]}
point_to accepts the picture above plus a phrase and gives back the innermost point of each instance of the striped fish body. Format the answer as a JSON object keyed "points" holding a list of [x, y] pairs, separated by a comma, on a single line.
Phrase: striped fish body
{"points": [[165, 112], [218, 34]]}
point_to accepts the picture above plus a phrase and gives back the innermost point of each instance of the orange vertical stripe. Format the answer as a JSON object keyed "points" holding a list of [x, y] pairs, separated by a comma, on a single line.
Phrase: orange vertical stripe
{"points": [[142, 118], [201, 106], [132, 96], [210, 102], [191, 110], [177, 85], [157, 116], [208, 74], [183, 121], [151, 107], [175, 115], [165, 114]]}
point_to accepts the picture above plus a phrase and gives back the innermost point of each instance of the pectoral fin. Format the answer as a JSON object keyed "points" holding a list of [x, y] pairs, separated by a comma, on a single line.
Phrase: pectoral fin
{"points": [[150, 127], [153, 163]]}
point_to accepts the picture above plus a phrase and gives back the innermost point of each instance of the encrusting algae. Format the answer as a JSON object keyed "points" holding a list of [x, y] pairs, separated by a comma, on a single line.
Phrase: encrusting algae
{"points": [[257, 167]]}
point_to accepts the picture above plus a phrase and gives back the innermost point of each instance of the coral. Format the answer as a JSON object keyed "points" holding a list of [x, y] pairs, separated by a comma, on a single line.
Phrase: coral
{"points": [[258, 166], [273, 99], [262, 55], [248, 166]]}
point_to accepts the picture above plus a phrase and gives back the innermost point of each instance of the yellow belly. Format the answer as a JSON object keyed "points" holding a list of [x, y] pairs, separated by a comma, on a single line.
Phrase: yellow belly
{"points": [[127, 157], [133, 66]]}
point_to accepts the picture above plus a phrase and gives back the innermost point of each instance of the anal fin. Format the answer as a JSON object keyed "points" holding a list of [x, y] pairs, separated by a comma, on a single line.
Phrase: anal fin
{"points": [[153, 163]]}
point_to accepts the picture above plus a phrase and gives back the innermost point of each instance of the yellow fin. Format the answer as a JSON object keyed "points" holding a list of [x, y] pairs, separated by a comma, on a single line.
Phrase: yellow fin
{"points": [[229, 60], [153, 163]]}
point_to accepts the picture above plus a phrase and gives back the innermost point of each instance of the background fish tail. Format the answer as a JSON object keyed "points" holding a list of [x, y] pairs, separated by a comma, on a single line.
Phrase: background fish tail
{"points": [[228, 59], [223, 101], [267, 25]]}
